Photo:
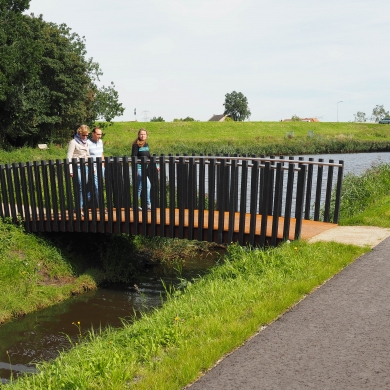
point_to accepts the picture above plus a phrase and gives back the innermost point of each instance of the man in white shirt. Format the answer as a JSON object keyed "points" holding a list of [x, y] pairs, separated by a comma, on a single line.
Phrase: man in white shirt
{"points": [[95, 145]]}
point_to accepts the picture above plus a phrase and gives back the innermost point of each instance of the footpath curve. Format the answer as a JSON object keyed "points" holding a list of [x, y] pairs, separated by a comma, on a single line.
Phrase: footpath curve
{"points": [[338, 337]]}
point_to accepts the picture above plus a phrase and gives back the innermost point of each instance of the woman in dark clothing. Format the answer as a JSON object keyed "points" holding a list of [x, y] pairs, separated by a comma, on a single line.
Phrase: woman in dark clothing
{"points": [[140, 148]]}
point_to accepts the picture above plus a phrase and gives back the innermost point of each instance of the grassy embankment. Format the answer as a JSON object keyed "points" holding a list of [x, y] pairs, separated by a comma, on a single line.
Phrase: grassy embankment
{"points": [[34, 274], [171, 346], [269, 138]]}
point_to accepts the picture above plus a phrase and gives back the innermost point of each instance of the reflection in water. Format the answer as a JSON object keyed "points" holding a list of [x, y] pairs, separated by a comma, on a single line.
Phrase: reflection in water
{"points": [[41, 335], [355, 162]]}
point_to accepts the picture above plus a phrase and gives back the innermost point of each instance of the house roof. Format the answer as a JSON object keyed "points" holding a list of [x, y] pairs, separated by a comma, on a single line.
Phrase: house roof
{"points": [[218, 118]]}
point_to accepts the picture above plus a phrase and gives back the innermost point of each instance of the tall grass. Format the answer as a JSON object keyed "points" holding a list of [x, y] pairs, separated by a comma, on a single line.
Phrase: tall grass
{"points": [[359, 192]]}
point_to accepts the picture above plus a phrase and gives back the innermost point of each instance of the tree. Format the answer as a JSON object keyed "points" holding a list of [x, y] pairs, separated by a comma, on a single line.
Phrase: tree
{"points": [[46, 83], [379, 113], [157, 119], [360, 117], [106, 105], [236, 106], [187, 119], [296, 118]]}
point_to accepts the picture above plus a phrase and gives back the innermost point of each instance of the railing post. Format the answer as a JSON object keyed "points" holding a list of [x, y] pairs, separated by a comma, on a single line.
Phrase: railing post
{"points": [[32, 196], [222, 190], [144, 202], [181, 193], [328, 192], [264, 207], [289, 193], [317, 204], [46, 194], [277, 202], [191, 196], [172, 196], [244, 180], [100, 194], [340, 173], [26, 202], [118, 192], [153, 193], [69, 195], [201, 198], [309, 189], [134, 178], [211, 199], [11, 195], [253, 201], [299, 201], [19, 190], [126, 193], [38, 189], [108, 173], [163, 196], [53, 182], [232, 198], [84, 180]]}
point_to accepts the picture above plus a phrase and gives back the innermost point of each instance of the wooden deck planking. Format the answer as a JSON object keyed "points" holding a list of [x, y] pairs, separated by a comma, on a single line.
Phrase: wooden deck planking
{"points": [[309, 228]]}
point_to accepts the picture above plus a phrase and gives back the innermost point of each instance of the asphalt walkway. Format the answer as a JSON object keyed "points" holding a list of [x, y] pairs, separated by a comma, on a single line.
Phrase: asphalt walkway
{"points": [[336, 338]]}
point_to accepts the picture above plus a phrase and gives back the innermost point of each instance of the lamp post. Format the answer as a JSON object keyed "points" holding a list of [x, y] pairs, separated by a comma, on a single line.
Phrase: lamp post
{"points": [[338, 109]]}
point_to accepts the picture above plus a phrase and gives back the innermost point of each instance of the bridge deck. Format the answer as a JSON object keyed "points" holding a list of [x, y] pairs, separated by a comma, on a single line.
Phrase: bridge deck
{"points": [[309, 228]]}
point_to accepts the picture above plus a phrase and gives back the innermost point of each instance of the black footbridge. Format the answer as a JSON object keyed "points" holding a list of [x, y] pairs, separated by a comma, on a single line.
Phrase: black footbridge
{"points": [[250, 200]]}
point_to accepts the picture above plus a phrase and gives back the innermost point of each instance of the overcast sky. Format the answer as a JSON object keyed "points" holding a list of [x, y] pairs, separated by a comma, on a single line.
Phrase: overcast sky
{"points": [[174, 58]]}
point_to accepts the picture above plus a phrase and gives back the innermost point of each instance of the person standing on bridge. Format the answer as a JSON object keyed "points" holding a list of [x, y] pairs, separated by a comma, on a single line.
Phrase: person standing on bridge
{"points": [[140, 149], [78, 148], [95, 145]]}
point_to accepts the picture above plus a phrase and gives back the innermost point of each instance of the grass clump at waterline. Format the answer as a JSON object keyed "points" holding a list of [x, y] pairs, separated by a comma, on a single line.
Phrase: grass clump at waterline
{"points": [[171, 346], [252, 138], [365, 198], [34, 274]]}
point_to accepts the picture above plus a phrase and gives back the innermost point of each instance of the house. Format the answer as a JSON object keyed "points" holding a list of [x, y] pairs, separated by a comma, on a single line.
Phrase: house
{"points": [[218, 118], [309, 120]]}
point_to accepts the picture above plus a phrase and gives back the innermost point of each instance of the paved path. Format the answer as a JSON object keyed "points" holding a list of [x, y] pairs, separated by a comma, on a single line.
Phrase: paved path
{"points": [[336, 338]]}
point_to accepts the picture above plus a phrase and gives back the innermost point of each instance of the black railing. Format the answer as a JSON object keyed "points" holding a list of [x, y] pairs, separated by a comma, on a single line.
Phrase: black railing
{"points": [[208, 198]]}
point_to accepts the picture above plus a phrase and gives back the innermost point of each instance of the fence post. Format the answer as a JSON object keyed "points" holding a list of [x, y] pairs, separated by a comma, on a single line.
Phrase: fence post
{"points": [[340, 173]]}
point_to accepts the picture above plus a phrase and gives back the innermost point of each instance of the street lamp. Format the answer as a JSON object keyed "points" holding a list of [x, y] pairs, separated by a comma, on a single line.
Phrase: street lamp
{"points": [[338, 109]]}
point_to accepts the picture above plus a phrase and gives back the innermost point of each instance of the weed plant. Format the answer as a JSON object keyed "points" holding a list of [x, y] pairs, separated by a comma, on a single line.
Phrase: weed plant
{"points": [[171, 346]]}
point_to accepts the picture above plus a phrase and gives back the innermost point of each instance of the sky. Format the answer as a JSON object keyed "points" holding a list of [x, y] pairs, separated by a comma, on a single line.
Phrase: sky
{"points": [[170, 58]]}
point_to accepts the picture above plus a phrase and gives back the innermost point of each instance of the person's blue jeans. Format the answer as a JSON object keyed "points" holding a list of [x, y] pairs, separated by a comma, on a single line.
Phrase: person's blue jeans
{"points": [[80, 185], [139, 182], [96, 183]]}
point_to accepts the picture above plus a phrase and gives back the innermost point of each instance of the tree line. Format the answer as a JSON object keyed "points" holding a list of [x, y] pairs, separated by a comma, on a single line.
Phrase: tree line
{"points": [[378, 113], [47, 84]]}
